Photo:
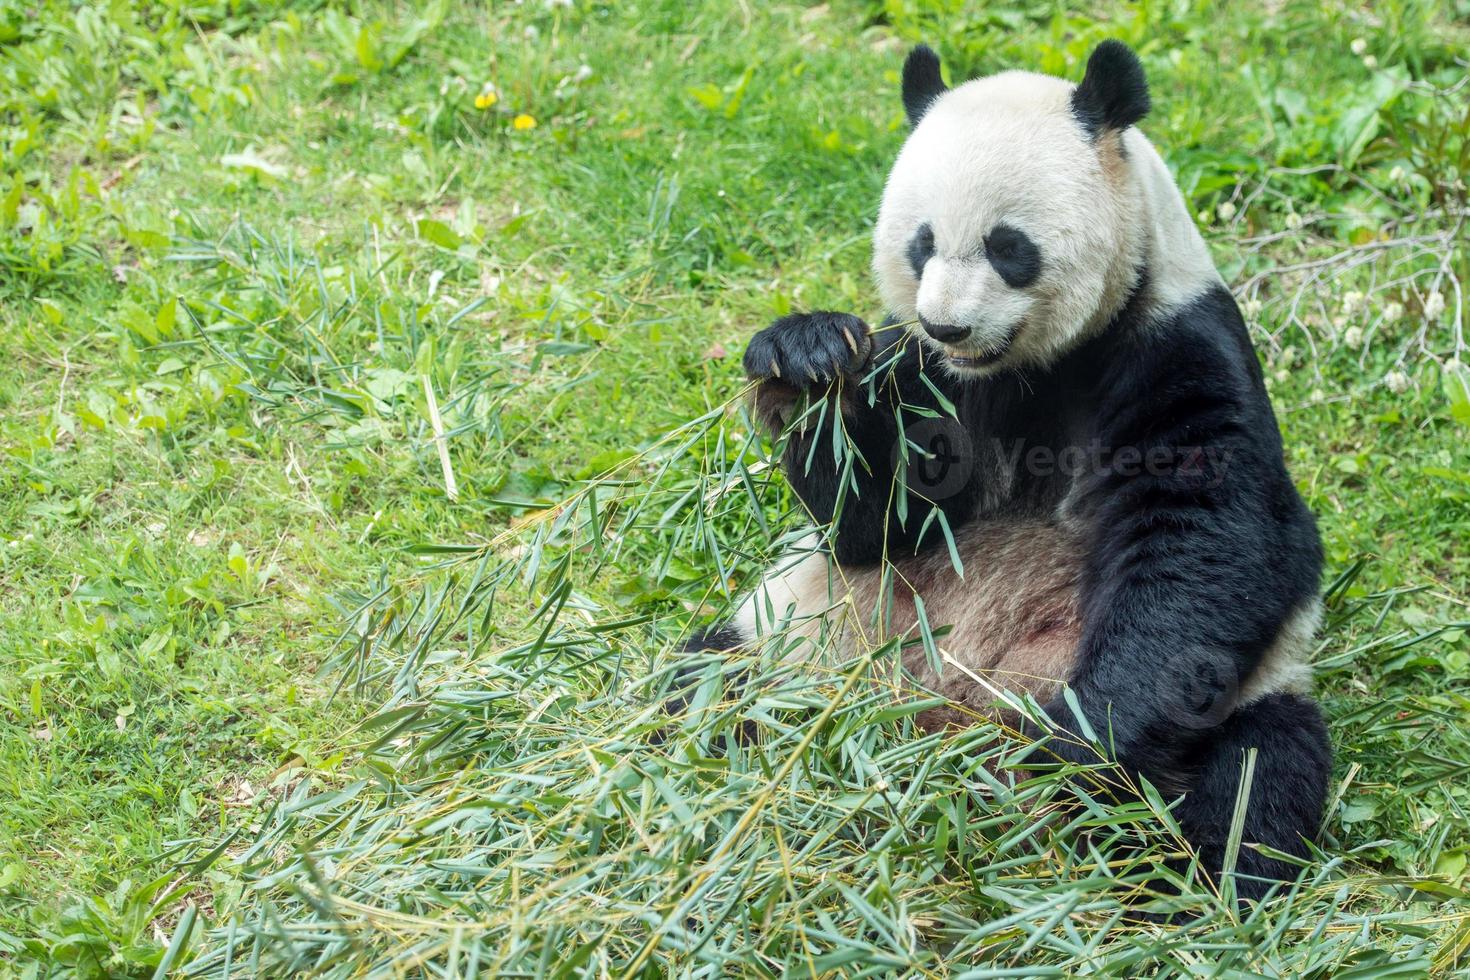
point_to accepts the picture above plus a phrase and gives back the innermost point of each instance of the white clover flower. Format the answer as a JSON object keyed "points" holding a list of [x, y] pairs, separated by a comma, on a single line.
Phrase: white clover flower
{"points": [[553, 4], [1282, 376], [1353, 337], [1358, 47], [1253, 307], [1318, 396], [1397, 174], [1434, 305], [1351, 300], [584, 72], [1396, 382], [1393, 311], [1293, 221], [531, 33], [1370, 62], [1204, 217], [1288, 355], [1226, 210]]}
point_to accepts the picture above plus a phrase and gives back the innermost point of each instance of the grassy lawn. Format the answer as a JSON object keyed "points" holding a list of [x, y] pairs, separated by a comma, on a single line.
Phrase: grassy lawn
{"points": [[283, 687]]}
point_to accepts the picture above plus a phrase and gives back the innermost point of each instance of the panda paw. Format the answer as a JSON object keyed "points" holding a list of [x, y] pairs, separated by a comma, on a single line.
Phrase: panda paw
{"points": [[806, 349]]}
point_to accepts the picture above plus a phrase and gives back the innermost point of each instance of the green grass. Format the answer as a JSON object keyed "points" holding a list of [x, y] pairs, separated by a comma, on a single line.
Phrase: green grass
{"points": [[272, 700]]}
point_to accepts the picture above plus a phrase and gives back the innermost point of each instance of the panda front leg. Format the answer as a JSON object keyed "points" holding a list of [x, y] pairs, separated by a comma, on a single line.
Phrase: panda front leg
{"points": [[797, 360], [810, 370]]}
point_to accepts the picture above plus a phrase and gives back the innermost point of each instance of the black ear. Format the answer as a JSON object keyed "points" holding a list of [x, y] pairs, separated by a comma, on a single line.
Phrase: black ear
{"points": [[921, 82], [1113, 93]]}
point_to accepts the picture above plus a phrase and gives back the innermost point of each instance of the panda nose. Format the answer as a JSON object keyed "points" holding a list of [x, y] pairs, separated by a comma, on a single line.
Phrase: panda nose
{"points": [[945, 333]]}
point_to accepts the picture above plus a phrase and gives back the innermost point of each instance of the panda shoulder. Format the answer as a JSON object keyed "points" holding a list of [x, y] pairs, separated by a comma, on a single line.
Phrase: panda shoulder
{"points": [[1202, 342]]}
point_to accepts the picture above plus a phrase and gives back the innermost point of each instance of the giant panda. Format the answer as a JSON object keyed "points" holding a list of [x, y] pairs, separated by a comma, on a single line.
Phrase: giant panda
{"points": [[1066, 380]]}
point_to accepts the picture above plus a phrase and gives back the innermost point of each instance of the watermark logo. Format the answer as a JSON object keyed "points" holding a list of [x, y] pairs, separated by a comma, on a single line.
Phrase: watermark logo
{"points": [[938, 457], [1198, 687]]}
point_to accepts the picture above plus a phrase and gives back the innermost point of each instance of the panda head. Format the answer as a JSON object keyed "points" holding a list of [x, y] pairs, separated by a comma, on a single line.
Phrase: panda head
{"points": [[1010, 227]]}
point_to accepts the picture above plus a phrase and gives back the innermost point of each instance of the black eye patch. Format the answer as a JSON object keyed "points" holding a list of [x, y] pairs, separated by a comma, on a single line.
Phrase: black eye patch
{"points": [[921, 249], [1014, 255]]}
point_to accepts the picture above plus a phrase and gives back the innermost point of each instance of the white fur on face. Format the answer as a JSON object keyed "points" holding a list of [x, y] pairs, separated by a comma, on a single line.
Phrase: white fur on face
{"points": [[1007, 149]]}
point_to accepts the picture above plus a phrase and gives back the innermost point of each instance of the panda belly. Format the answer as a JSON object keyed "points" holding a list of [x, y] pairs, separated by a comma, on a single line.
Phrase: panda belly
{"points": [[1014, 618], [1014, 614]]}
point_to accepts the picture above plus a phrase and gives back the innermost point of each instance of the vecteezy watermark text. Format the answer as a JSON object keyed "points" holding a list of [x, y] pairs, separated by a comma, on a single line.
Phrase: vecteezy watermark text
{"points": [[941, 458]]}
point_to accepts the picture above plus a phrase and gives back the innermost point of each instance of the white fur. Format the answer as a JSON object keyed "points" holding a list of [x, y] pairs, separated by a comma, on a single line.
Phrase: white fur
{"points": [[1014, 612], [1179, 263], [1007, 149], [1287, 666], [791, 595]]}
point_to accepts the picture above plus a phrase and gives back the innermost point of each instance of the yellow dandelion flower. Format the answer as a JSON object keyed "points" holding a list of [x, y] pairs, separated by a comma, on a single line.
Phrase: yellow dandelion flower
{"points": [[524, 121], [486, 99]]}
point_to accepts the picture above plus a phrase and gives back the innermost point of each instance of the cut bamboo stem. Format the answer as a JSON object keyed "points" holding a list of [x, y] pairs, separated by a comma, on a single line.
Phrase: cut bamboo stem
{"points": [[451, 488]]}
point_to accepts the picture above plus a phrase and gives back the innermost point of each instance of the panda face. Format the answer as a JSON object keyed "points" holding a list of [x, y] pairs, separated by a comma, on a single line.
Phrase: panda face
{"points": [[1008, 230]]}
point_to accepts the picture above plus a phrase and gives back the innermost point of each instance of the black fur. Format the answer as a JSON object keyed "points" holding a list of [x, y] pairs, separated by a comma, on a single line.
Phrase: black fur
{"points": [[1113, 93], [716, 640], [921, 249], [1289, 785], [867, 524], [1014, 255], [1201, 547], [687, 676], [921, 82]]}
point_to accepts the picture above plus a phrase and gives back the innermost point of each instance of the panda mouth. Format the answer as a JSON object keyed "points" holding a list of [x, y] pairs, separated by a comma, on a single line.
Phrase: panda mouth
{"points": [[981, 358], [974, 360]]}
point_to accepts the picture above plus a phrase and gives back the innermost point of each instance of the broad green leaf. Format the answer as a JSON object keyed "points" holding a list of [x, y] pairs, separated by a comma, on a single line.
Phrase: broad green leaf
{"points": [[439, 233]]}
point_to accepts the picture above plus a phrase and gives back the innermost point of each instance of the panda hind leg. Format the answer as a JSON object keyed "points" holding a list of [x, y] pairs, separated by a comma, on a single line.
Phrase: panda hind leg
{"points": [[695, 651], [1288, 789], [688, 675]]}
